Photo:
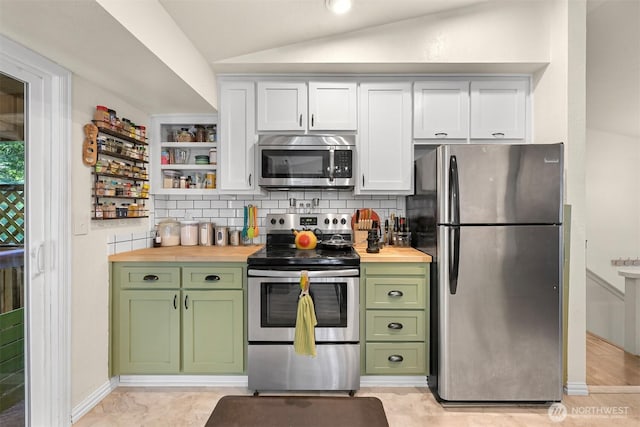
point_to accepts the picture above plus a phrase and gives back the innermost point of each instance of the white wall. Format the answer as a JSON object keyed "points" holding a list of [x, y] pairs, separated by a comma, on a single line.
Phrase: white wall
{"points": [[613, 202], [90, 276]]}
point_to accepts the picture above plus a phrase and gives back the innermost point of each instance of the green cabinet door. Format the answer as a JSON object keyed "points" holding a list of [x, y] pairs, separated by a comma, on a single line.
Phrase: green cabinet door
{"points": [[149, 330], [212, 336]]}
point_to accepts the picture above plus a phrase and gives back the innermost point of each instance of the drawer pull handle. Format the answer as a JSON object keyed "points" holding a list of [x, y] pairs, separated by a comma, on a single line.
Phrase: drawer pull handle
{"points": [[394, 325], [396, 358], [442, 134], [175, 300], [498, 135], [186, 302], [395, 293], [150, 278], [212, 278]]}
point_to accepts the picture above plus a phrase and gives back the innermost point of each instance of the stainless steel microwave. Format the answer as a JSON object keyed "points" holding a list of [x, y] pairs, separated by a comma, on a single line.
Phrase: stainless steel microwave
{"points": [[312, 161]]}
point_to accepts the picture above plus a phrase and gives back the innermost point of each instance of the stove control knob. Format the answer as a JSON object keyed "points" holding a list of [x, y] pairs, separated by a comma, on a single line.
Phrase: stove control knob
{"points": [[327, 221], [281, 221], [273, 221], [343, 221], [335, 220]]}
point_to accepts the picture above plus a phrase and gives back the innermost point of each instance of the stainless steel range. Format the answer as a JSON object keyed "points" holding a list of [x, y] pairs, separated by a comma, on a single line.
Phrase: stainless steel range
{"points": [[273, 290]]}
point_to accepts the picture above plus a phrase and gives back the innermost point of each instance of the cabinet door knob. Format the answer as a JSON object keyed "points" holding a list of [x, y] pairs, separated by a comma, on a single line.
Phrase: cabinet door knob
{"points": [[212, 278], [150, 278], [395, 325], [395, 293], [396, 358]]}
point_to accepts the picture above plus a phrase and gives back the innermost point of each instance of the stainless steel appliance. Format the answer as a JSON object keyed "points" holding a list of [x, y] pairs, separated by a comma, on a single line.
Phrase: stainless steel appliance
{"points": [[272, 299], [321, 161], [491, 216]]}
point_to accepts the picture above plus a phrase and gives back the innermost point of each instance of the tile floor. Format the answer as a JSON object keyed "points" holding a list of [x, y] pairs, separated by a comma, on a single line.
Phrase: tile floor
{"points": [[405, 407]]}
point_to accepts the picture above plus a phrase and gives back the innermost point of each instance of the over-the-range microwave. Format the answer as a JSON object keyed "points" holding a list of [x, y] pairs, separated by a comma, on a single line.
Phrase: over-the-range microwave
{"points": [[310, 161]]}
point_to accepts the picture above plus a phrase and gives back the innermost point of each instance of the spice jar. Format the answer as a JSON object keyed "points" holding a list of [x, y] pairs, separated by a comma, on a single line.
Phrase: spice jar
{"points": [[213, 156], [183, 182], [101, 115]]}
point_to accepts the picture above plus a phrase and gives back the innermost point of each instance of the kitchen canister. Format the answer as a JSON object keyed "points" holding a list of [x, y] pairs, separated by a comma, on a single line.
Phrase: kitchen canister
{"points": [[188, 233], [169, 232], [234, 237], [206, 234], [222, 236]]}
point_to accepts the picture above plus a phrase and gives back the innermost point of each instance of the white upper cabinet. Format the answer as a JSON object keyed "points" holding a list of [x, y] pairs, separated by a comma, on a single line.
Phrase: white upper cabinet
{"points": [[282, 106], [332, 106], [441, 110], [290, 106], [498, 109], [385, 152], [237, 130]]}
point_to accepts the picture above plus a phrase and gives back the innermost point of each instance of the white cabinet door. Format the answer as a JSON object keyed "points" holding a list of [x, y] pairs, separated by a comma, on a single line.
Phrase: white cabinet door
{"points": [[282, 106], [385, 152], [237, 137], [498, 109], [332, 106], [441, 110]]}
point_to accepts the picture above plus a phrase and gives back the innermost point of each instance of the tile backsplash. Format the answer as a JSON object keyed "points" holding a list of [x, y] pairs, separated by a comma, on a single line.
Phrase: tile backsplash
{"points": [[228, 210]]}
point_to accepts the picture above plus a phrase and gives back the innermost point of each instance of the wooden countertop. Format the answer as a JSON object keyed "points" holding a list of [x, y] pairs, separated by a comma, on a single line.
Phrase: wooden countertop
{"points": [[240, 254], [188, 254], [392, 254]]}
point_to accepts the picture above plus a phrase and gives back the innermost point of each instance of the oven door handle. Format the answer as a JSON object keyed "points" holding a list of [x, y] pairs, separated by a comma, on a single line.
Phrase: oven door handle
{"points": [[349, 272]]}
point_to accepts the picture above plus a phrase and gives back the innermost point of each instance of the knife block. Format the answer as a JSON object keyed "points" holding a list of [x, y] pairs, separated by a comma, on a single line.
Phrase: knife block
{"points": [[360, 236]]}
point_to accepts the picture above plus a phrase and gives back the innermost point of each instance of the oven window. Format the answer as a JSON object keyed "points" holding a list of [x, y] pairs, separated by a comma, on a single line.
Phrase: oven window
{"points": [[279, 304], [295, 164]]}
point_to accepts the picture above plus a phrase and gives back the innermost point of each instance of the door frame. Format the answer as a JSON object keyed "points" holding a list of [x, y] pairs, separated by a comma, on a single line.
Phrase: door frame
{"points": [[47, 233]]}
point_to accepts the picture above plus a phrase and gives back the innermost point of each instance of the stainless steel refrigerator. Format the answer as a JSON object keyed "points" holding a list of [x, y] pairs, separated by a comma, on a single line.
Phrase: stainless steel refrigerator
{"points": [[491, 216]]}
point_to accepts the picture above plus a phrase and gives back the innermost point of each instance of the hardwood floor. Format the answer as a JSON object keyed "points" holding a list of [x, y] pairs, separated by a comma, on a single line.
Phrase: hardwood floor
{"points": [[609, 365]]}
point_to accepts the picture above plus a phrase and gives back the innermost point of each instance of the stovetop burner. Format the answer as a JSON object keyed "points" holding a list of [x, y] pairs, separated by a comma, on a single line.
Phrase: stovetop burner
{"points": [[280, 250]]}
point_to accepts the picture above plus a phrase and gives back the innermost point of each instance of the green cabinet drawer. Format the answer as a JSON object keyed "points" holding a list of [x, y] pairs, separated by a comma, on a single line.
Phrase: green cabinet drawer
{"points": [[395, 292], [395, 269], [147, 277], [212, 277], [395, 358], [395, 325]]}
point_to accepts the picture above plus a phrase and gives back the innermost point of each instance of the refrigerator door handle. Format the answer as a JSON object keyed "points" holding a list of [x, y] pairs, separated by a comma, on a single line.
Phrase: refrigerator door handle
{"points": [[454, 257], [454, 191]]}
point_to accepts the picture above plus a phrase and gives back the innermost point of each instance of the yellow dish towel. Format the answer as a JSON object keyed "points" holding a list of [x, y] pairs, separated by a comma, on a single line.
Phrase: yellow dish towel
{"points": [[304, 342]]}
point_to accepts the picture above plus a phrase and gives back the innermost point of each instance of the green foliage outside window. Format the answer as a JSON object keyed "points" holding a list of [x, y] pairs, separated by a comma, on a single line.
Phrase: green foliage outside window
{"points": [[12, 162]]}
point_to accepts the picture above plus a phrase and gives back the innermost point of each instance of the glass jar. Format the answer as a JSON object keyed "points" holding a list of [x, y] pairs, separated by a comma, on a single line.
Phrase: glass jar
{"points": [[201, 134], [184, 135]]}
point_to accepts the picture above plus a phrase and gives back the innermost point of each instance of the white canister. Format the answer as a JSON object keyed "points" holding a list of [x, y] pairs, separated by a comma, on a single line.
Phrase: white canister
{"points": [[188, 233], [206, 234], [222, 236], [234, 237]]}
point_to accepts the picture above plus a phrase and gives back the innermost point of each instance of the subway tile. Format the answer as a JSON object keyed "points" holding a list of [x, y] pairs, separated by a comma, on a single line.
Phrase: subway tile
{"points": [[337, 204], [123, 247], [227, 213], [279, 195], [140, 244], [161, 213], [202, 204], [211, 213], [186, 204], [355, 204], [123, 237], [269, 204], [111, 249], [176, 213], [235, 204], [111, 238], [139, 235], [219, 204], [228, 197]]}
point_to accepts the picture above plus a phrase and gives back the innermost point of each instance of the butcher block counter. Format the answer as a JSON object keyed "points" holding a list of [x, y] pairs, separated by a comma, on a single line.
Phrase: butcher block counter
{"points": [[188, 254], [392, 254]]}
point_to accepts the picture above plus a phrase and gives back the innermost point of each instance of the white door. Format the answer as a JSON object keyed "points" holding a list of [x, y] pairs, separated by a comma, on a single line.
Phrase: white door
{"points": [[237, 137], [384, 139], [441, 110], [332, 106], [282, 106], [498, 109], [47, 231]]}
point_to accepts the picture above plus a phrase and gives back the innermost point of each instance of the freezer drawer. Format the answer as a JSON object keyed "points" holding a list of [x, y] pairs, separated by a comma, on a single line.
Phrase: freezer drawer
{"points": [[500, 322]]}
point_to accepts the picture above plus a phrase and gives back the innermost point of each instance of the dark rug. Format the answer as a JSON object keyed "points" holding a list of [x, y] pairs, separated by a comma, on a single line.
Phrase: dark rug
{"points": [[294, 411]]}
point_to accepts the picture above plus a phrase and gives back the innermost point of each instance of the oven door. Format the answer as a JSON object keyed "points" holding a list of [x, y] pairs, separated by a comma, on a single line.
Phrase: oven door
{"points": [[273, 305]]}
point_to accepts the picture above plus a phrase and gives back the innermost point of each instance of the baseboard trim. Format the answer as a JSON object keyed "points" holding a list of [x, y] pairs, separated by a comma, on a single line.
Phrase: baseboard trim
{"points": [[183, 381], [614, 389], [576, 389], [393, 381], [93, 399]]}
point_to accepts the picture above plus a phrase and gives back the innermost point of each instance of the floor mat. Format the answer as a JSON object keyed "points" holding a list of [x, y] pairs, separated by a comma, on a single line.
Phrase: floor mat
{"points": [[294, 411]]}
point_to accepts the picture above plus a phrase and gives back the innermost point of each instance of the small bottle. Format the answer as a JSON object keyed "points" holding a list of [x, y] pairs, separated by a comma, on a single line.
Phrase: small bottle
{"points": [[99, 213], [157, 240], [183, 182]]}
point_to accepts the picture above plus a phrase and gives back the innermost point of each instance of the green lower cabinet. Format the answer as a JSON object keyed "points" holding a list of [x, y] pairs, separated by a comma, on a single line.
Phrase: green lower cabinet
{"points": [[212, 333], [395, 358], [149, 329]]}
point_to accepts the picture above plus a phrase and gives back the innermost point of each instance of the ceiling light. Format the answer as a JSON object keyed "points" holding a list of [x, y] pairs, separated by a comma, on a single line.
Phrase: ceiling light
{"points": [[338, 7]]}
